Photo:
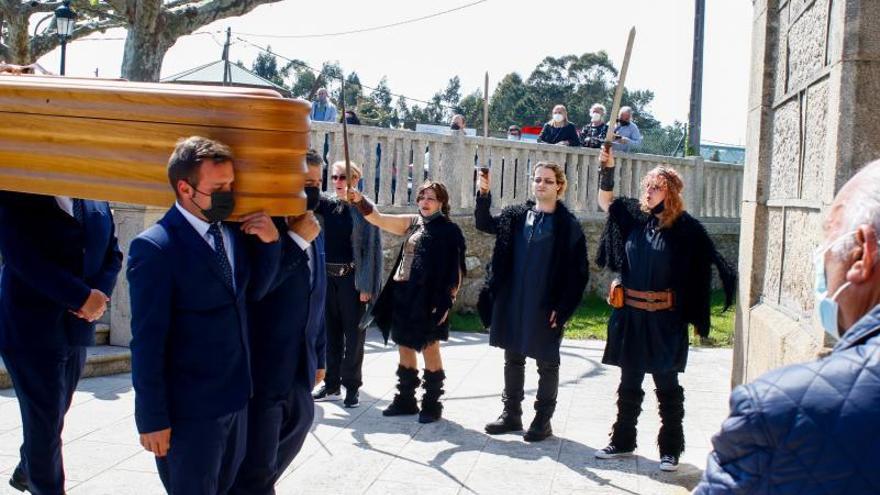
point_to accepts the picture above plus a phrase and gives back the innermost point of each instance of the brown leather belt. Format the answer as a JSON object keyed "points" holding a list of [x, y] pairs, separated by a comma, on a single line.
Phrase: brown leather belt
{"points": [[339, 269], [650, 301]]}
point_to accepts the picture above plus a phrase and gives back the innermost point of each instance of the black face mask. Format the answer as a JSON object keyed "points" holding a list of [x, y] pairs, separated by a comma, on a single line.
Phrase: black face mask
{"points": [[455, 126], [658, 209], [623, 122], [313, 196], [222, 204]]}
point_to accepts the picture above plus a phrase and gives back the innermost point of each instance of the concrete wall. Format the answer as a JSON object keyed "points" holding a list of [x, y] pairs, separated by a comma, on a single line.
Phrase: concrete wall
{"points": [[811, 125]]}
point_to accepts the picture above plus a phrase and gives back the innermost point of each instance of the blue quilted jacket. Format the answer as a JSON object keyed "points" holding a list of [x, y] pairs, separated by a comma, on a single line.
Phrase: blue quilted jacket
{"points": [[811, 428]]}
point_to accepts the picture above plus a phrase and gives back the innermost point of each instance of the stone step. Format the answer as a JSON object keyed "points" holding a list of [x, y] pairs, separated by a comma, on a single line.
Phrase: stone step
{"points": [[102, 334], [101, 360]]}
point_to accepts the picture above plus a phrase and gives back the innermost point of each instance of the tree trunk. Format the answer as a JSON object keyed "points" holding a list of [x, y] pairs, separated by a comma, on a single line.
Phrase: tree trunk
{"points": [[17, 38], [146, 42]]}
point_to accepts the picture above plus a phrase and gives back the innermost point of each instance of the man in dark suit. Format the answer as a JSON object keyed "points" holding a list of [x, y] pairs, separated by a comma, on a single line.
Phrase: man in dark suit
{"points": [[288, 340], [190, 276], [60, 262]]}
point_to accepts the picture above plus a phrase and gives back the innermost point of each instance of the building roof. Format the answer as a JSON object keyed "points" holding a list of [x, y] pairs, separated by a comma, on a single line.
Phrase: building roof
{"points": [[212, 73]]}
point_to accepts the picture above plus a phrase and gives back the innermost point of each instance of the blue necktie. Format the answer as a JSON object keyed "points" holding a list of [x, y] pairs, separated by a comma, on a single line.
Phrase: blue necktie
{"points": [[220, 254], [78, 211]]}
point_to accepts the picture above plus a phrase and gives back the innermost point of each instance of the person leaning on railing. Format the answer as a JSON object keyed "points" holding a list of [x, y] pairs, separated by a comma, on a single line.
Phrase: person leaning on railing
{"points": [[664, 258], [559, 130], [414, 305]]}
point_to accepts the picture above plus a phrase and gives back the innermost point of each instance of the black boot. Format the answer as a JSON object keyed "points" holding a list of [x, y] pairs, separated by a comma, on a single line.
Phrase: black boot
{"points": [[19, 480], [432, 409], [545, 403], [404, 402], [512, 397], [671, 437], [623, 433]]}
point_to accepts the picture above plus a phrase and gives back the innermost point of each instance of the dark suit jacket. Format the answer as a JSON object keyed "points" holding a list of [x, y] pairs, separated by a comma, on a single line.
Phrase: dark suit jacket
{"points": [[288, 336], [50, 265], [190, 353]]}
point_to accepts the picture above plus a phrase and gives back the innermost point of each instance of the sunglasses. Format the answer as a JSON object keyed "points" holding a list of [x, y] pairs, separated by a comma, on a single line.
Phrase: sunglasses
{"points": [[338, 177], [549, 182]]}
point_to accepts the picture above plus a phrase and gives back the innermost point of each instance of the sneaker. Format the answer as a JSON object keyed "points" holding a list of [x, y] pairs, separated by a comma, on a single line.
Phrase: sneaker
{"points": [[612, 452], [351, 398], [327, 394], [668, 463]]}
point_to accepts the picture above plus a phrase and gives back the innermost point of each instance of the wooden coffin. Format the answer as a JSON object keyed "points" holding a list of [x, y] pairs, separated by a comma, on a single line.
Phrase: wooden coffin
{"points": [[111, 139]]}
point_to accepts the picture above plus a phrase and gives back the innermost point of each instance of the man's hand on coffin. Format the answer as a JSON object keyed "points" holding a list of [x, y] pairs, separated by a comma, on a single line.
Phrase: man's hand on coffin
{"points": [[94, 307], [157, 442], [260, 225], [306, 226]]}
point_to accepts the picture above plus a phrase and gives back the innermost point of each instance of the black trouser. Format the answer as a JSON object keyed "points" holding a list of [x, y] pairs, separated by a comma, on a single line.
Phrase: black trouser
{"points": [[670, 401], [345, 341], [632, 380], [514, 380], [44, 382]]}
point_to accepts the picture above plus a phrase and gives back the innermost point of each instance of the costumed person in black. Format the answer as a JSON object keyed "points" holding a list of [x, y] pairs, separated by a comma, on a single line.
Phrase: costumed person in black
{"points": [[536, 280], [354, 276], [414, 304], [664, 257], [559, 130]]}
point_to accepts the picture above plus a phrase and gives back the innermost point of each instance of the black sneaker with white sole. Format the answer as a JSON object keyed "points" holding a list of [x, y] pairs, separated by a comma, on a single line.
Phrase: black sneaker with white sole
{"points": [[351, 398], [325, 394], [668, 463], [613, 452]]}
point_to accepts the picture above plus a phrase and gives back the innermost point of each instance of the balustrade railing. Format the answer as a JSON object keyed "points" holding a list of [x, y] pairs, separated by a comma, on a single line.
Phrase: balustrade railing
{"points": [[393, 160]]}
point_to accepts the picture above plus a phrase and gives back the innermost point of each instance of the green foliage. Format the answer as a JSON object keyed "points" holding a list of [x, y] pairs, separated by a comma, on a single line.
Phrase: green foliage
{"points": [[590, 321], [266, 66]]}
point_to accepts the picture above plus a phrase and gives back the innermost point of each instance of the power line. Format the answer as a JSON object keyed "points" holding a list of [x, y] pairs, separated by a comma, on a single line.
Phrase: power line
{"points": [[367, 29], [321, 72]]}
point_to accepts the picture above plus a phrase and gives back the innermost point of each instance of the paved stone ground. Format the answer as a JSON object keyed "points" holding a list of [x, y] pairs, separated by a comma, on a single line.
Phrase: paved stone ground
{"points": [[359, 451]]}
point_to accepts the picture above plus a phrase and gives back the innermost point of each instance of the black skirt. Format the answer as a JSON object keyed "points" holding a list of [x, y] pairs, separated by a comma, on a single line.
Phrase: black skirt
{"points": [[412, 323]]}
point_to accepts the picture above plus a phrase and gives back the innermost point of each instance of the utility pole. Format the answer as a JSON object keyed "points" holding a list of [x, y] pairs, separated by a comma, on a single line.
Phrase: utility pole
{"points": [[227, 70], [486, 106], [696, 108]]}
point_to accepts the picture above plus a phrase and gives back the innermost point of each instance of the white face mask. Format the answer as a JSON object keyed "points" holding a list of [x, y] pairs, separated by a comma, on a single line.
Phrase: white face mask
{"points": [[557, 117], [596, 117], [512, 137]]}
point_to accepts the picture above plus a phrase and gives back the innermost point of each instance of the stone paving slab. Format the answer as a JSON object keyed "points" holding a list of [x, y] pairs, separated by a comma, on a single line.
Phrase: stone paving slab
{"points": [[358, 451]]}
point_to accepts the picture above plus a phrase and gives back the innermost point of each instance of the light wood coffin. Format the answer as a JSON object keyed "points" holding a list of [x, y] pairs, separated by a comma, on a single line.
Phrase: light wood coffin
{"points": [[110, 139]]}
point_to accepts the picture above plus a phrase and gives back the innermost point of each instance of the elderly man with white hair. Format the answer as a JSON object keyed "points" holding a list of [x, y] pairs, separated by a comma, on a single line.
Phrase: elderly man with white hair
{"points": [[593, 134], [627, 135], [812, 428]]}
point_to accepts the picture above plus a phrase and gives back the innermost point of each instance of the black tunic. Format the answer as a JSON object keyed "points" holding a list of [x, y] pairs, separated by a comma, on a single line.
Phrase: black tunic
{"points": [[553, 135], [522, 325], [652, 342], [337, 230], [594, 136]]}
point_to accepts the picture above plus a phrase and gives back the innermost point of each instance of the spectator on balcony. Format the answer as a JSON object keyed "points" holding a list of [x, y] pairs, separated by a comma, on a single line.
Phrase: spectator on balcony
{"points": [[559, 130], [593, 134], [664, 259], [812, 428], [415, 303], [323, 110], [627, 136], [457, 123], [351, 118], [514, 133]]}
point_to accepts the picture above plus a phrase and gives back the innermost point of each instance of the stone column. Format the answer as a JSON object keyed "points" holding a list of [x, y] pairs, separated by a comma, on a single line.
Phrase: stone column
{"points": [[130, 220], [811, 125]]}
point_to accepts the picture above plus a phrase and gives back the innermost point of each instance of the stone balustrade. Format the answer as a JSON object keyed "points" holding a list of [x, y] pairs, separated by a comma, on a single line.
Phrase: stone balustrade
{"points": [[392, 158]]}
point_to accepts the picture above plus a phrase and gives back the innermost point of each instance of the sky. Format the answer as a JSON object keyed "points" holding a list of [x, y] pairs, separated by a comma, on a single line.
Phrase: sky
{"points": [[498, 36]]}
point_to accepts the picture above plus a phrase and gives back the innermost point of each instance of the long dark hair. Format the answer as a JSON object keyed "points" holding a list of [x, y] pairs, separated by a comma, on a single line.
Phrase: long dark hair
{"points": [[441, 192]]}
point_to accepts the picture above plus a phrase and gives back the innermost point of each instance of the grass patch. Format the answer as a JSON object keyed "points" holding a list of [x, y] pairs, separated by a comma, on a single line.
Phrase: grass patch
{"points": [[590, 321]]}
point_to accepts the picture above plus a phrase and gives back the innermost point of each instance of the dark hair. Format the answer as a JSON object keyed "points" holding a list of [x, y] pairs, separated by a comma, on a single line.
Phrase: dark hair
{"points": [[313, 159], [441, 192], [187, 158], [350, 118]]}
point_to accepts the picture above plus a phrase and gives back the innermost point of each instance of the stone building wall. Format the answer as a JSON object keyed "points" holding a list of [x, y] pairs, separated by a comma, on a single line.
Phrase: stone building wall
{"points": [[811, 124]]}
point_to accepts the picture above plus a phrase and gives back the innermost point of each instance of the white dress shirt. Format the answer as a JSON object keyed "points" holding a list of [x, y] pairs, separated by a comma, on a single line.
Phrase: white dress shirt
{"points": [[310, 252], [65, 203], [202, 227]]}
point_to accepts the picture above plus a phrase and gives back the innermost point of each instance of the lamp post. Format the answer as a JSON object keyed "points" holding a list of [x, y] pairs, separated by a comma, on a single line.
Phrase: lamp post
{"points": [[65, 19]]}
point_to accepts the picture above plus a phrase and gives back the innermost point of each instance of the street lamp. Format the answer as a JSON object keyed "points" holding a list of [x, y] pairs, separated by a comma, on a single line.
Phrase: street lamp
{"points": [[65, 19]]}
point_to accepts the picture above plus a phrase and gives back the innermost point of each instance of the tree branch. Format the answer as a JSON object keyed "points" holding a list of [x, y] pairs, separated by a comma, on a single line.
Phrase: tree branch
{"points": [[186, 20], [45, 43]]}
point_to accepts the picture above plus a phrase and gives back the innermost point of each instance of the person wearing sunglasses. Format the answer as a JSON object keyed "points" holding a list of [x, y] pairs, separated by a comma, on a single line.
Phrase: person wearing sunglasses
{"points": [[812, 428], [537, 278], [664, 259], [413, 308], [353, 250]]}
